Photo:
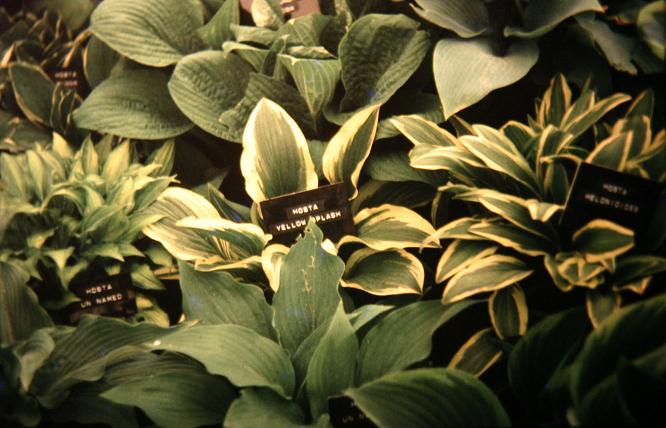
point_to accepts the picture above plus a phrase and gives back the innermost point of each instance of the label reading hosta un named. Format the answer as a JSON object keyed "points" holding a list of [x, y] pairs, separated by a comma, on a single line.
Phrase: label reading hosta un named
{"points": [[601, 193], [111, 296], [286, 216]]}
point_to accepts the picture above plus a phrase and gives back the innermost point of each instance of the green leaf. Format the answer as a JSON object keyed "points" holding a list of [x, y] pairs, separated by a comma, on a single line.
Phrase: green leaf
{"points": [[32, 91], [541, 16], [489, 274], [602, 239], [423, 131], [263, 407], [272, 134], [227, 209], [467, 18], [378, 54], [20, 312], [403, 338], [508, 311], [156, 33], [200, 87], [428, 398], [181, 399], [237, 353], [349, 148], [389, 227], [513, 237], [216, 298], [612, 153], [616, 47], [384, 273], [82, 354], [267, 13], [99, 61], [85, 406], [315, 79], [394, 166], [600, 304], [116, 163], [175, 204], [164, 156], [308, 293], [651, 27], [74, 13], [629, 268], [478, 354], [217, 31], [135, 104], [468, 70], [333, 363], [633, 334], [460, 254]]}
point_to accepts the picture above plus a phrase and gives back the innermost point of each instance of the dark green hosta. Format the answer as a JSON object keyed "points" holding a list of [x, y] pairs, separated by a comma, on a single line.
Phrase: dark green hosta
{"points": [[493, 44], [221, 235], [73, 215]]}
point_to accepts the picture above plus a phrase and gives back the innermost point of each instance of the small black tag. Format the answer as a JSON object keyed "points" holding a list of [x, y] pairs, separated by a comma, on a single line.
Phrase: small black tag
{"points": [[343, 412], [598, 192], [70, 77], [110, 296], [287, 215], [293, 8]]}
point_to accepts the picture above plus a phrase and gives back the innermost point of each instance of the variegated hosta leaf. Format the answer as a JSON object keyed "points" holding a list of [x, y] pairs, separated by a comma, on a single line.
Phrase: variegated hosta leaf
{"points": [[478, 354], [32, 91], [466, 70], [613, 152], [489, 274], [239, 240], [349, 148], [458, 229], [276, 159], [315, 79], [389, 227], [422, 131], [271, 262], [508, 311], [556, 101], [602, 239], [467, 18], [600, 304], [217, 31], [514, 237], [456, 160], [631, 268], [152, 32], [384, 273], [572, 269], [175, 204], [459, 254], [395, 167], [651, 27], [541, 16], [586, 111], [542, 211]]}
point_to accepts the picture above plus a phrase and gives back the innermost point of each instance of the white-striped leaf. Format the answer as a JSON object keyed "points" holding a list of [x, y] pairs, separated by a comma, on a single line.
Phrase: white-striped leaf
{"points": [[267, 13], [542, 211], [602, 239], [429, 397], [601, 304], [478, 354], [135, 104], [394, 166], [613, 152], [508, 311], [541, 16], [200, 87], [390, 226], [384, 273], [240, 240], [276, 158], [349, 148], [378, 54], [458, 229], [422, 131], [467, 18], [585, 112], [315, 79], [468, 70], [271, 262], [32, 90], [459, 254], [514, 237], [152, 32], [575, 270], [634, 267], [489, 274]]}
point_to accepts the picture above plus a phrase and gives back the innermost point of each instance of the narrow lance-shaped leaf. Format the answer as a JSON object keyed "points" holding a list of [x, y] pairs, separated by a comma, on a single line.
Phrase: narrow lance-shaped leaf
{"points": [[508, 311], [478, 354], [602, 239]]}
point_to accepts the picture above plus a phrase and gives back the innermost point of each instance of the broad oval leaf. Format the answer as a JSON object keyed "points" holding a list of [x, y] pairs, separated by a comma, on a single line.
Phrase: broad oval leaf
{"points": [[378, 54], [541, 16], [32, 90], [152, 32], [217, 31], [135, 104], [602, 239], [263, 407], [241, 355], [349, 148], [384, 273], [489, 274], [429, 398], [467, 18], [390, 226], [478, 354], [468, 70], [315, 79], [276, 158], [459, 254], [99, 61], [200, 87]]}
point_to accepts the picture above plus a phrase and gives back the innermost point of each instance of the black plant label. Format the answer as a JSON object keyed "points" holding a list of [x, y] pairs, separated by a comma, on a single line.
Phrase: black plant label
{"points": [[598, 192], [292, 8], [110, 296], [286, 216], [343, 412], [70, 77]]}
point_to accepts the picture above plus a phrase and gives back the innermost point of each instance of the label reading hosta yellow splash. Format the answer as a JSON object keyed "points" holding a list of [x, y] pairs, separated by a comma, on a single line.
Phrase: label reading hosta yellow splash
{"points": [[287, 215]]}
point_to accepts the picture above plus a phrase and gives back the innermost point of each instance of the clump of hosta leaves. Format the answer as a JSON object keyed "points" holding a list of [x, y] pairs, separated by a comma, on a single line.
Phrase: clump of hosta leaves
{"points": [[35, 44], [78, 215], [221, 235], [516, 181]]}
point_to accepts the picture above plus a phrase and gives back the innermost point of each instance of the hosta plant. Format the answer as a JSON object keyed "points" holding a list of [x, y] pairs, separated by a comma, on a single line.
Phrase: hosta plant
{"points": [[516, 182], [220, 235], [73, 216]]}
